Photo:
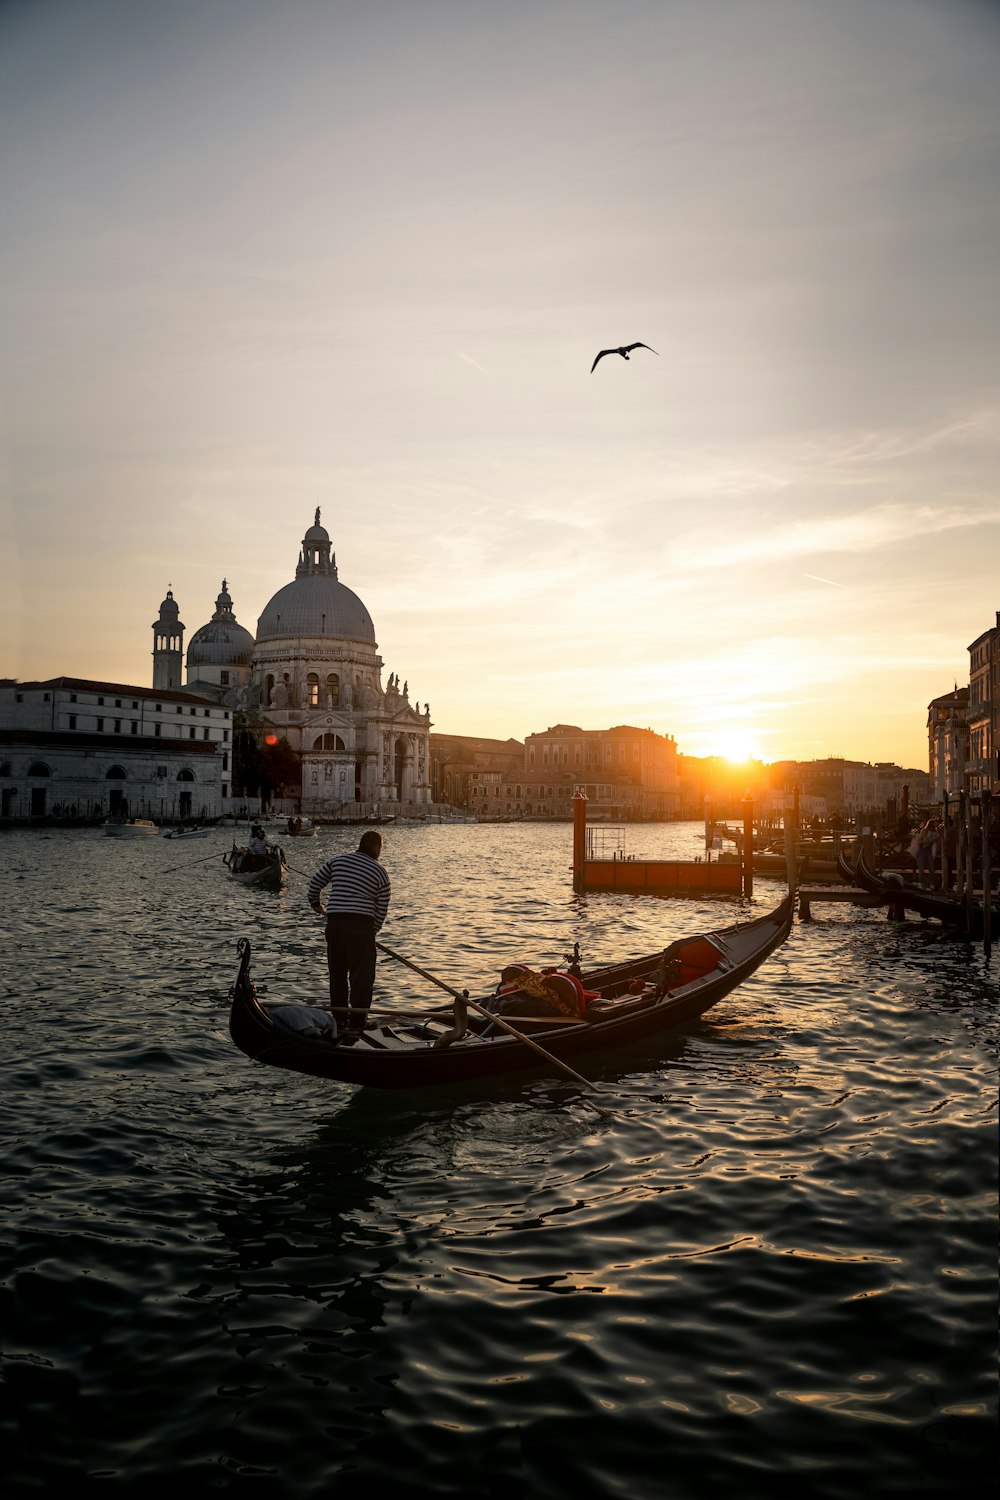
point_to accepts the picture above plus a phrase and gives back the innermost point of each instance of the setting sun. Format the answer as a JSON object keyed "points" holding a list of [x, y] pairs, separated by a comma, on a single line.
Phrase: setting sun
{"points": [[736, 745]]}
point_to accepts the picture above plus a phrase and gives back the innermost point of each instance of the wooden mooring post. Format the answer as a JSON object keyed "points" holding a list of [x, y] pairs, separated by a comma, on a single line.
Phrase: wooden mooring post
{"points": [[747, 850], [985, 813]]}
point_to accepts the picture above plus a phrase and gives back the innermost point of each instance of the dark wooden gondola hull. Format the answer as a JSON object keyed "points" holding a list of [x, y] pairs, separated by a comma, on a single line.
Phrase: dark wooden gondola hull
{"points": [[965, 917], [255, 1034]]}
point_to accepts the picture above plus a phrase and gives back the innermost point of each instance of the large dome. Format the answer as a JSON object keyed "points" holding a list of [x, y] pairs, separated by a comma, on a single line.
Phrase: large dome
{"points": [[315, 603], [222, 642]]}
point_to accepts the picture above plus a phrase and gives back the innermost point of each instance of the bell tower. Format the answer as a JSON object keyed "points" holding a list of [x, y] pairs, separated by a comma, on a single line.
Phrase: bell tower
{"points": [[168, 645]]}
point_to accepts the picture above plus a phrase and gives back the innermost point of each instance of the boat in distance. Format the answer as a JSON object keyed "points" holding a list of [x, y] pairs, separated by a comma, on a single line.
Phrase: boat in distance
{"points": [[265, 870], [130, 828], [626, 1002], [185, 833]]}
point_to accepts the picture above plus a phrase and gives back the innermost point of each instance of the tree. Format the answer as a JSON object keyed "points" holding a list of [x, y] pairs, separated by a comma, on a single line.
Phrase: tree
{"points": [[280, 770]]}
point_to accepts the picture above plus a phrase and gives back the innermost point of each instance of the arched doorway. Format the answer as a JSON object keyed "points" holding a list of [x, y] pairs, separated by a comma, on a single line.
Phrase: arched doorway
{"points": [[39, 794], [401, 768], [184, 798], [117, 800]]}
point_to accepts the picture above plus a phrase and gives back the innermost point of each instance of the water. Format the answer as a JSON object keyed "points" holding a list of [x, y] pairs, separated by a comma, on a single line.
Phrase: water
{"points": [[768, 1270]]}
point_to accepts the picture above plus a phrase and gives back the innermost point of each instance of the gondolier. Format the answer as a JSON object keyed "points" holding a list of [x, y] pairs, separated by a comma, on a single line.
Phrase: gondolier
{"points": [[355, 909]]}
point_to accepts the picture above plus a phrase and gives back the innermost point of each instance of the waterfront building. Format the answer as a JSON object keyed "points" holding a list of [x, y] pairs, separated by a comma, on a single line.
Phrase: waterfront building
{"points": [[459, 762], [948, 742], [75, 748], [315, 680], [627, 773], [983, 773]]}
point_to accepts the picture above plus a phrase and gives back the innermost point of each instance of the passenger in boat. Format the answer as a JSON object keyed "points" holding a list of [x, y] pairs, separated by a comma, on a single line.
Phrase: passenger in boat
{"points": [[356, 908], [258, 841]]}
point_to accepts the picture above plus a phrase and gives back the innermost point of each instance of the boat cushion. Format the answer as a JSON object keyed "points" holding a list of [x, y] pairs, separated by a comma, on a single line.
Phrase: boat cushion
{"points": [[304, 1021]]}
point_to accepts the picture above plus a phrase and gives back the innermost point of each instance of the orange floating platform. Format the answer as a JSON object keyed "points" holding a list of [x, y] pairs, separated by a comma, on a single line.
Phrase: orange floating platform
{"points": [[660, 877]]}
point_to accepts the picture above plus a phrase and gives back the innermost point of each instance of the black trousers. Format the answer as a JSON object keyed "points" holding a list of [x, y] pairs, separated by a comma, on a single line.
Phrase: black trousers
{"points": [[350, 953]]}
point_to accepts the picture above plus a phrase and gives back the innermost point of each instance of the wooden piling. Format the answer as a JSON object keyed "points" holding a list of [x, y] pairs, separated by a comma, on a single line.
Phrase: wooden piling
{"points": [[747, 850], [970, 863], [986, 809], [579, 837]]}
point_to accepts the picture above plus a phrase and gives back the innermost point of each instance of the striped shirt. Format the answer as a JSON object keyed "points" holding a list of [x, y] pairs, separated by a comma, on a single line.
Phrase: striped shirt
{"points": [[358, 884]]}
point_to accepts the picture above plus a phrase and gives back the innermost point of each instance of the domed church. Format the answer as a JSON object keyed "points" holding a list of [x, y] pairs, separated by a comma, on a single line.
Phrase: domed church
{"points": [[313, 675]]}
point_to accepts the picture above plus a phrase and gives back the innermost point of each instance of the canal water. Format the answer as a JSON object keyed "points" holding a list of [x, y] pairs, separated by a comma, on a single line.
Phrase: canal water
{"points": [[767, 1270]]}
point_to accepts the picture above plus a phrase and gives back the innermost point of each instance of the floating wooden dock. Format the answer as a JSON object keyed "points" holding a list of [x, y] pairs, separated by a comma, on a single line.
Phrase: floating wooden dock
{"points": [[650, 877], [810, 894]]}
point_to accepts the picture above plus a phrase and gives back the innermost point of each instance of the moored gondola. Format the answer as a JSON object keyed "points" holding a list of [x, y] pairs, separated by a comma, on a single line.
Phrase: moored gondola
{"points": [[625, 1003], [965, 915]]}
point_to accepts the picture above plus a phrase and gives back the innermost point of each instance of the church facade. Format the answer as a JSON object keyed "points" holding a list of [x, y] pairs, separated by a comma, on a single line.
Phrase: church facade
{"points": [[311, 675]]}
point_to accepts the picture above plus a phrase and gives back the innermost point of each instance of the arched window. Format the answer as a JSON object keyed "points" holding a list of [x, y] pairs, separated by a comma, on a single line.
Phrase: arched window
{"points": [[333, 690], [185, 775], [268, 689], [4, 767], [312, 683], [39, 768], [329, 742], [115, 774]]}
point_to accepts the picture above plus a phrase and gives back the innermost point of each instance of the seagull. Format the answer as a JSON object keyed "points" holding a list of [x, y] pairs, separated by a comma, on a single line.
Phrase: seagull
{"points": [[623, 351]]}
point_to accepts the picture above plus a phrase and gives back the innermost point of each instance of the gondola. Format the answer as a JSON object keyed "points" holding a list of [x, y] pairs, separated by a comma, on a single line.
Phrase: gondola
{"points": [[894, 890], [627, 1002], [265, 870]]}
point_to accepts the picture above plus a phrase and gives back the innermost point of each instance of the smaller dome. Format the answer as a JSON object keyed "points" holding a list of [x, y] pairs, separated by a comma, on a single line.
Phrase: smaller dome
{"points": [[169, 605], [222, 642]]}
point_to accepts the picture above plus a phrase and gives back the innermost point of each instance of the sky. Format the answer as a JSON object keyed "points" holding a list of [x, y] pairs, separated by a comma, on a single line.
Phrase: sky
{"points": [[261, 257]]}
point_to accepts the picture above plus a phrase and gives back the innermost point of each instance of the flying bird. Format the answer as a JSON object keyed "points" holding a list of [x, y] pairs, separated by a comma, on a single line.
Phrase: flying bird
{"points": [[624, 351]]}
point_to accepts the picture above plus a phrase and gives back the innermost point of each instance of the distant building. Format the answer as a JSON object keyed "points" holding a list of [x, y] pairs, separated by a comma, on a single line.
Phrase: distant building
{"points": [[73, 748], [851, 787], [460, 761], [627, 774], [983, 772]]}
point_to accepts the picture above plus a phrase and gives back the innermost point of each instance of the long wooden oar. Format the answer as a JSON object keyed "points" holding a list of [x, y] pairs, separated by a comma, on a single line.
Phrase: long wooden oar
{"points": [[188, 864], [504, 1025]]}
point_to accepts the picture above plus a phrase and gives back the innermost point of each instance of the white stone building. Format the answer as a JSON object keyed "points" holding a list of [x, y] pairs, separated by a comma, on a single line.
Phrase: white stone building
{"points": [[313, 676], [316, 679], [74, 748]]}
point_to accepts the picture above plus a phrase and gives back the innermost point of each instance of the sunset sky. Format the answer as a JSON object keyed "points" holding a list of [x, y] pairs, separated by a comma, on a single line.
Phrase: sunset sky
{"points": [[259, 257]]}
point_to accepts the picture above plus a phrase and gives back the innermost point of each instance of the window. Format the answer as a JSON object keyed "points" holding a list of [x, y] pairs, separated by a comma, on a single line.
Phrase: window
{"points": [[159, 708], [100, 702], [204, 733], [118, 703], [135, 726], [39, 768], [193, 711], [157, 730], [225, 762], [312, 682], [225, 790], [72, 697], [161, 772], [46, 697], [191, 733], [118, 726], [72, 721], [135, 703], [225, 735], [207, 712], [100, 726], [19, 697], [185, 775], [224, 679], [178, 709], [115, 774]]}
